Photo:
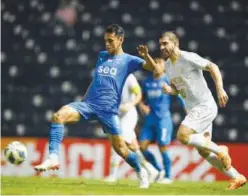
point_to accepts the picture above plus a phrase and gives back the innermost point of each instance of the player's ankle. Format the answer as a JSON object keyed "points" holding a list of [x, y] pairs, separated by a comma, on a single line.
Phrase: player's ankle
{"points": [[54, 157]]}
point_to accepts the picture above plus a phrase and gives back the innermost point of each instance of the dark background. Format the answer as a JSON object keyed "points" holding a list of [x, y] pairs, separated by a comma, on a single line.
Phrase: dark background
{"points": [[49, 50]]}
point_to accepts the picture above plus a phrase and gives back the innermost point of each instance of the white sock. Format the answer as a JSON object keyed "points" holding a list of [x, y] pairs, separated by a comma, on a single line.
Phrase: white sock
{"points": [[115, 163], [148, 166], [213, 160], [199, 141], [140, 155]]}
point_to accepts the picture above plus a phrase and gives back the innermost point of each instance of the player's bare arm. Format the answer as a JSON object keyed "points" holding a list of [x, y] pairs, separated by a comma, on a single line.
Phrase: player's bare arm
{"points": [[138, 96], [145, 109], [216, 75], [150, 64], [170, 89]]}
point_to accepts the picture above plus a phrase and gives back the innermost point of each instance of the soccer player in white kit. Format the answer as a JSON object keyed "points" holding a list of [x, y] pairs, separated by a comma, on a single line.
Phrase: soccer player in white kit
{"points": [[131, 96], [185, 70]]}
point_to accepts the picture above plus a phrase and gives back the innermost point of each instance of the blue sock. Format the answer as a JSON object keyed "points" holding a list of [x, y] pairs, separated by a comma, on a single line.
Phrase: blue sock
{"points": [[167, 164], [55, 137], [133, 160], [151, 158]]}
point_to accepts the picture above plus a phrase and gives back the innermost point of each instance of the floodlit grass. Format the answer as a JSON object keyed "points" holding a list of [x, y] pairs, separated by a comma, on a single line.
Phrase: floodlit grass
{"points": [[70, 186]]}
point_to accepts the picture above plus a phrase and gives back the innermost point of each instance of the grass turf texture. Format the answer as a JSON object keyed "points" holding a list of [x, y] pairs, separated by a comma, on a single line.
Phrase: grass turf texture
{"points": [[55, 186]]}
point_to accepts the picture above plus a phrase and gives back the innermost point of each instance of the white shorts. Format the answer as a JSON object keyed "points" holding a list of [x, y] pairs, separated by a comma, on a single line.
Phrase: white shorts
{"points": [[128, 124], [200, 118]]}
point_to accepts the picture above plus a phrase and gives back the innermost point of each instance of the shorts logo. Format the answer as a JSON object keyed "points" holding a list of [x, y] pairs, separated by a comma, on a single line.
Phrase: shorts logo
{"points": [[107, 70]]}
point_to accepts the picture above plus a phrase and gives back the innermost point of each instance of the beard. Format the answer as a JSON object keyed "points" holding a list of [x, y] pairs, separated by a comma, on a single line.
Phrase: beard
{"points": [[166, 55]]}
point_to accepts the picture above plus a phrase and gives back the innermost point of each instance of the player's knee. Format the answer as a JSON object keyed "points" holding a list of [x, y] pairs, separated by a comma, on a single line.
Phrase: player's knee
{"points": [[203, 153], [56, 118], [121, 149], [183, 136], [143, 147], [132, 147], [163, 148], [66, 115]]}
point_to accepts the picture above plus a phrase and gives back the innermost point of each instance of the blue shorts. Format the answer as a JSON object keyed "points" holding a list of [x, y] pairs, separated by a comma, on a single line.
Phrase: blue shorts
{"points": [[110, 122], [158, 130]]}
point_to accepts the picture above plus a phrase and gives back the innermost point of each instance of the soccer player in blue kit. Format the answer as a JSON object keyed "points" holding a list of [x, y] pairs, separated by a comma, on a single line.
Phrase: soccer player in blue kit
{"points": [[158, 125], [101, 102]]}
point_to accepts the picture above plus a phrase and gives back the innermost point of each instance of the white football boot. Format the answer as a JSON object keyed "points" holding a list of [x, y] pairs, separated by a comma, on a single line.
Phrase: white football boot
{"points": [[143, 179], [165, 181], [48, 164], [160, 176], [110, 178], [153, 175]]}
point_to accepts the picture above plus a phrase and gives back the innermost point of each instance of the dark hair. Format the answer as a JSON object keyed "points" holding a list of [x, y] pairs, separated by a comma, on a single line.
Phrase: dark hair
{"points": [[116, 29]]}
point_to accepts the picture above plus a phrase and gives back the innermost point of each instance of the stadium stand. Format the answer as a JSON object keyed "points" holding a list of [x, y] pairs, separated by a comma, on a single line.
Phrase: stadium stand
{"points": [[46, 63]]}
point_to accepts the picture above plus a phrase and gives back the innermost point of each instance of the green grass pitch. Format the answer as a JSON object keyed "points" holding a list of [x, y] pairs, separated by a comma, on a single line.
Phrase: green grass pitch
{"points": [[70, 186]]}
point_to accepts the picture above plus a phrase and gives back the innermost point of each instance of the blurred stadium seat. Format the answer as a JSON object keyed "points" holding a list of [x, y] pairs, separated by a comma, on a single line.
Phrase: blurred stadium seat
{"points": [[46, 64]]}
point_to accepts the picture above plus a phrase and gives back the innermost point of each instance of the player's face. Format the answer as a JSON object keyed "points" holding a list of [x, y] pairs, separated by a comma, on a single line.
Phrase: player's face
{"points": [[166, 46], [112, 42]]}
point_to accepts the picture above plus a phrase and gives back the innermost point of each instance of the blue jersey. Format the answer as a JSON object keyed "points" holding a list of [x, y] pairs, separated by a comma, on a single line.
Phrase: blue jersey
{"points": [[104, 93], [158, 101]]}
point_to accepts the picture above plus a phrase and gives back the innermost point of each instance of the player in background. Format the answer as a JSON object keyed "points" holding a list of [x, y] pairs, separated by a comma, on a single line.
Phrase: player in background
{"points": [[101, 102], [185, 70], [131, 96], [158, 125]]}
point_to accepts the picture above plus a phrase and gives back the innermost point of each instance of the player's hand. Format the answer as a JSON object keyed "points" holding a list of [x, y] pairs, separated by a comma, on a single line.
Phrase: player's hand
{"points": [[125, 107], [145, 110], [167, 88], [222, 98], [142, 50]]}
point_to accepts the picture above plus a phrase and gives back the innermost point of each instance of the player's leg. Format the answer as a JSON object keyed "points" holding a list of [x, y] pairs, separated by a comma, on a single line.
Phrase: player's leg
{"points": [[128, 123], [164, 134], [115, 161], [131, 158], [147, 135], [111, 126], [196, 121], [67, 114], [237, 180], [152, 172]]}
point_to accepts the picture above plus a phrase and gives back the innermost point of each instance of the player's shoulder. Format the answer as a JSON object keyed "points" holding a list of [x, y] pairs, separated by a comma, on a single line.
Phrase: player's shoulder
{"points": [[129, 55], [145, 83], [132, 57], [148, 79], [103, 53], [131, 77], [188, 55]]}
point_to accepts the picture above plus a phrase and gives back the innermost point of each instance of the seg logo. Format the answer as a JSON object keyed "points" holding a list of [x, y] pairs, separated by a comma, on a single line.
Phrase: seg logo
{"points": [[108, 71], [154, 93]]}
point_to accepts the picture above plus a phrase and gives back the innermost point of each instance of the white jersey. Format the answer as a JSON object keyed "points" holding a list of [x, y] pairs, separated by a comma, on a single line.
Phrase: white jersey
{"points": [[127, 94], [187, 76]]}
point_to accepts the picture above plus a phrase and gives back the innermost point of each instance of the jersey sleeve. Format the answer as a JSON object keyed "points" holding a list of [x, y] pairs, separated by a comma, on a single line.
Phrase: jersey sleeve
{"points": [[198, 62], [135, 64]]}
